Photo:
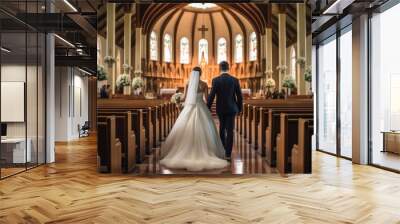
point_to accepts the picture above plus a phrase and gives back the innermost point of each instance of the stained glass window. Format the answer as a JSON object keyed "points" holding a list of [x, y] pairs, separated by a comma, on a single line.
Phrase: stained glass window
{"points": [[167, 48], [184, 50], [203, 49], [153, 46], [253, 47], [238, 48], [221, 50]]}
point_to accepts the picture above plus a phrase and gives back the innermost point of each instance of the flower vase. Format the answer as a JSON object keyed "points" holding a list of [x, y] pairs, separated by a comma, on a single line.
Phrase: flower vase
{"points": [[127, 90], [101, 83], [137, 91]]}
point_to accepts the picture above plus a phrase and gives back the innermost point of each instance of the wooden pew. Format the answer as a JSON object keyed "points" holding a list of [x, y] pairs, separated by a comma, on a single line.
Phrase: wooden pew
{"points": [[149, 131], [287, 137], [273, 128], [301, 152], [255, 123], [126, 135], [148, 127], [108, 147]]}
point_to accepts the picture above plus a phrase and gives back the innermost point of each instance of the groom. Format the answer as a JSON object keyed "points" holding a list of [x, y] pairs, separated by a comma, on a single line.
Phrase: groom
{"points": [[229, 104]]}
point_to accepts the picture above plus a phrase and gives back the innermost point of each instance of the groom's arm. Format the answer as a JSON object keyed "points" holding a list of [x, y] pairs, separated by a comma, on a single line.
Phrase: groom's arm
{"points": [[239, 97], [211, 96]]}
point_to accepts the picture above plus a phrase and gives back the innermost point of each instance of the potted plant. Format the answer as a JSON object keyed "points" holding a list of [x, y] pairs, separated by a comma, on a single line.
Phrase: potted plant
{"points": [[288, 83], [269, 85], [123, 83], [137, 85]]}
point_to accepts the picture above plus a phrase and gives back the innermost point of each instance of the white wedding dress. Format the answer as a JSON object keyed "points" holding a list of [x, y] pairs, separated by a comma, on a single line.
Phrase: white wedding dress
{"points": [[193, 143]]}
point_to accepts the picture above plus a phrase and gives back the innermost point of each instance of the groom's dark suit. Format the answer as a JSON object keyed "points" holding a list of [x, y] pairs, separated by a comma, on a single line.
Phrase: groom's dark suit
{"points": [[229, 104]]}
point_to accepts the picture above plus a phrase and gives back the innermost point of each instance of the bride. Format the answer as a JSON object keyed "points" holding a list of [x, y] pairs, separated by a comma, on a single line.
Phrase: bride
{"points": [[193, 142]]}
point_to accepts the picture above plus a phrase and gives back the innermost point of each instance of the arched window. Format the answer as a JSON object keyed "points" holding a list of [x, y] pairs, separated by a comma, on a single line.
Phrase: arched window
{"points": [[153, 46], [184, 50], [203, 49], [221, 50], [253, 47], [167, 48], [293, 63], [238, 48]]}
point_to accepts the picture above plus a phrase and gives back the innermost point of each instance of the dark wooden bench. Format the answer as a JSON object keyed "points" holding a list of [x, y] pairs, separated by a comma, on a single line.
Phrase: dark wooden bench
{"points": [[302, 151], [286, 138], [109, 151]]}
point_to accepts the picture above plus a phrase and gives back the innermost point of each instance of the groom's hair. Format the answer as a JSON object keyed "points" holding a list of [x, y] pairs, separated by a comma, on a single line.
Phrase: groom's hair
{"points": [[224, 66], [197, 69]]}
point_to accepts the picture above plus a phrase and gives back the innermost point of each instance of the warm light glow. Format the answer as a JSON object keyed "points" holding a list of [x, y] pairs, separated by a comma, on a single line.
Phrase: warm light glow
{"points": [[203, 62], [202, 5]]}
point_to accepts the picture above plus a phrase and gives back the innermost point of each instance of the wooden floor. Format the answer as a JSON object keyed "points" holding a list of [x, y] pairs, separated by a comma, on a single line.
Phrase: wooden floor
{"points": [[71, 191]]}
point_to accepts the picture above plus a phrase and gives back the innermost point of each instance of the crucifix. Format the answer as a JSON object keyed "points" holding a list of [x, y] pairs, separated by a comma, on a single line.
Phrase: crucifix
{"points": [[203, 30]]}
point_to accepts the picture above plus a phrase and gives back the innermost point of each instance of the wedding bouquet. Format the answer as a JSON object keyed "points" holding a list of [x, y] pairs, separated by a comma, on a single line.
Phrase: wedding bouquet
{"points": [[137, 83], [177, 99], [288, 82], [123, 80], [101, 73], [270, 83]]}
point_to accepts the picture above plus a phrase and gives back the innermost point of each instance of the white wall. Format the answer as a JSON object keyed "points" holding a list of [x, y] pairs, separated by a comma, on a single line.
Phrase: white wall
{"points": [[71, 102]]}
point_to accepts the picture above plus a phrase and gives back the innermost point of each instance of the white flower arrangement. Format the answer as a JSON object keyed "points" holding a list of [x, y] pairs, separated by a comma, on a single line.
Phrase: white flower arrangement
{"points": [[176, 98], [288, 82], [126, 67], [301, 61], [123, 80], [308, 74], [137, 83], [281, 68], [109, 60], [270, 83]]}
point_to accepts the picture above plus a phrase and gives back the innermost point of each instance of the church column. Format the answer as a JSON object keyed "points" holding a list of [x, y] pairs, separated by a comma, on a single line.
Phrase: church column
{"points": [[268, 44], [138, 43], [127, 41], [111, 45], [282, 44], [301, 47]]}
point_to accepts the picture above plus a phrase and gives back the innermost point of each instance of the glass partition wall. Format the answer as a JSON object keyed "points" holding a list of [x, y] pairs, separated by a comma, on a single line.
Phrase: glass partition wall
{"points": [[22, 76], [385, 89], [334, 94]]}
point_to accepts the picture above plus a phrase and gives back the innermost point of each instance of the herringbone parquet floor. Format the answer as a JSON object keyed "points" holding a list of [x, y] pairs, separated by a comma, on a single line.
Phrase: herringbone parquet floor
{"points": [[71, 191]]}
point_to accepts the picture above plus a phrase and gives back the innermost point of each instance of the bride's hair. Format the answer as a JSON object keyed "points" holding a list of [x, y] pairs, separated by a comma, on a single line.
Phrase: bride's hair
{"points": [[197, 69]]}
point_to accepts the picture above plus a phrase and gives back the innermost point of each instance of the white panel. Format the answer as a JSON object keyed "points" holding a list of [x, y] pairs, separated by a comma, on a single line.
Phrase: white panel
{"points": [[12, 101]]}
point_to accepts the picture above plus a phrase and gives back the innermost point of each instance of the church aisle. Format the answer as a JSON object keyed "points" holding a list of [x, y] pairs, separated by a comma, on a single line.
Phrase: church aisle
{"points": [[245, 160], [71, 191]]}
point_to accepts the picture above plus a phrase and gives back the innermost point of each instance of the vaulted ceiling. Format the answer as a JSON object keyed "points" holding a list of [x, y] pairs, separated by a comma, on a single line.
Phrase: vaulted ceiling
{"points": [[260, 16]]}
